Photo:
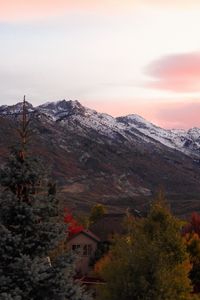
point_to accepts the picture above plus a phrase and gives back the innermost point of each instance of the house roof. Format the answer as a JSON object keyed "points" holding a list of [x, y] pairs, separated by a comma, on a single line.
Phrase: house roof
{"points": [[88, 280], [108, 225], [88, 233]]}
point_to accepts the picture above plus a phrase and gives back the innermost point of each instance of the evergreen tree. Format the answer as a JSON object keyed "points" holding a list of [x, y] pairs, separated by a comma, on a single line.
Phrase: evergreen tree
{"points": [[150, 262], [30, 230]]}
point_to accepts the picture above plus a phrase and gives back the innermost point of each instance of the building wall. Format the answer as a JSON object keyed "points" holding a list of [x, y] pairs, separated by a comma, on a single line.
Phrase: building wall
{"points": [[82, 265]]}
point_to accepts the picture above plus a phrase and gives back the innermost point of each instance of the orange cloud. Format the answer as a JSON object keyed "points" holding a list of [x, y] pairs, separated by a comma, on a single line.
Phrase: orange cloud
{"points": [[16, 10], [179, 73]]}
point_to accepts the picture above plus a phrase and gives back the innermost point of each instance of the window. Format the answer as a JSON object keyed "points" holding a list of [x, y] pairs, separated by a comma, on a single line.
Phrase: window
{"points": [[87, 250], [76, 248]]}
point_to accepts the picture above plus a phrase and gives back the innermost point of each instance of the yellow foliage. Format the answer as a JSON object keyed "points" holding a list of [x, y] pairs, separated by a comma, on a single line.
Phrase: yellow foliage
{"points": [[102, 263]]}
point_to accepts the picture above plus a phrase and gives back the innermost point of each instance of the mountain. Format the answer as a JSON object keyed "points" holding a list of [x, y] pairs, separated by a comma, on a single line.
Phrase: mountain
{"points": [[120, 162], [187, 142]]}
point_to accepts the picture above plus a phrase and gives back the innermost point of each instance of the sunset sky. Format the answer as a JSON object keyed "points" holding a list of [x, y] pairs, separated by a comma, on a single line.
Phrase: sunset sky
{"points": [[119, 57]]}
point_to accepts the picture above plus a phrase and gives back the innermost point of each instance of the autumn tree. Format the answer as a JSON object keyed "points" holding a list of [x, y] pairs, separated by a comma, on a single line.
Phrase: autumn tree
{"points": [[97, 211], [30, 230], [191, 233], [73, 225], [193, 226], [150, 262]]}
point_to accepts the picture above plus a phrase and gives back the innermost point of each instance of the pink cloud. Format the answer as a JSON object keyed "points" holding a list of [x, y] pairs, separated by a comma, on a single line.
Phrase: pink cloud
{"points": [[179, 73], [172, 115], [183, 114], [178, 115]]}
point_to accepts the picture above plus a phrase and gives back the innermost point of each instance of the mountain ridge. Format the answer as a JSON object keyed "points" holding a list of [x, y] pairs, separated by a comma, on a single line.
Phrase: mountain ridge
{"points": [[186, 141], [116, 161]]}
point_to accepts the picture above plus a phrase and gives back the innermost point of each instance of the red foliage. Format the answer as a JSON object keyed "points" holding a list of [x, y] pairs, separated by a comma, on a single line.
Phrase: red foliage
{"points": [[73, 226], [194, 225]]}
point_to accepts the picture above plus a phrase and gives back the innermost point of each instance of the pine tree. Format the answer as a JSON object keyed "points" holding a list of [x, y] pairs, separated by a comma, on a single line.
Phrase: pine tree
{"points": [[30, 230]]}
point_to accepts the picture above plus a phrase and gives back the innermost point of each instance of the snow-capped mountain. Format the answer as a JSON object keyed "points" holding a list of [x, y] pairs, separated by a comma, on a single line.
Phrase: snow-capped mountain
{"points": [[187, 142], [15, 109], [61, 109], [99, 158], [126, 127]]}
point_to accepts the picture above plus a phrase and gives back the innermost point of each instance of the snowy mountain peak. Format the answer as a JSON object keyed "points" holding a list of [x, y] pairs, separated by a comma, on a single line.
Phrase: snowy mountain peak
{"points": [[187, 142], [61, 104], [194, 132], [135, 117], [15, 109], [61, 108], [137, 120]]}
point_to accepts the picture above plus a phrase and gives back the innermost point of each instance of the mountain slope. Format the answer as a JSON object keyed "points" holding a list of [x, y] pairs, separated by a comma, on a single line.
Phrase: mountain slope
{"points": [[98, 158], [187, 142]]}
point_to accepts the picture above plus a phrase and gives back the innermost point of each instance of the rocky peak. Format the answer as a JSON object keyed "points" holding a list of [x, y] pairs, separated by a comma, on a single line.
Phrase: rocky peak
{"points": [[135, 119], [60, 109], [15, 109]]}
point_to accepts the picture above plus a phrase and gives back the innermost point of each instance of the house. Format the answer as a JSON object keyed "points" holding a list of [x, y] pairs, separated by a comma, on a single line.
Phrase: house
{"points": [[85, 244], [108, 225], [113, 223]]}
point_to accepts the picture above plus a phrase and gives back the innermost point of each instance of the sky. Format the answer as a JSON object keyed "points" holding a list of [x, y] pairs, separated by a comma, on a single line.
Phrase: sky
{"points": [[118, 57]]}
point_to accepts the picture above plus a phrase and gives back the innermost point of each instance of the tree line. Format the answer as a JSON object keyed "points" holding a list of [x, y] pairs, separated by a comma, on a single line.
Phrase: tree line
{"points": [[158, 258]]}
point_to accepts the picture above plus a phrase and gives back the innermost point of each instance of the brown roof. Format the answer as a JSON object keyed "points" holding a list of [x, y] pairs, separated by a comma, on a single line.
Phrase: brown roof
{"points": [[108, 225], [87, 233], [89, 280]]}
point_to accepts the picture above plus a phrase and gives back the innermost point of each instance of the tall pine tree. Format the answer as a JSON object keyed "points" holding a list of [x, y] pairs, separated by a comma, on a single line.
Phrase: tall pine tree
{"points": [[30, 230]]}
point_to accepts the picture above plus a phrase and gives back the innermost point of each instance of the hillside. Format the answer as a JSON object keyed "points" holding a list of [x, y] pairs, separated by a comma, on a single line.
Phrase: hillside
{"points": [[117, 161]]}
